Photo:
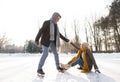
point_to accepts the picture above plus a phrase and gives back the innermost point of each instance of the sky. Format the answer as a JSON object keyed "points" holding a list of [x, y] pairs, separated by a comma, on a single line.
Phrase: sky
{"points": [[20, 20]]}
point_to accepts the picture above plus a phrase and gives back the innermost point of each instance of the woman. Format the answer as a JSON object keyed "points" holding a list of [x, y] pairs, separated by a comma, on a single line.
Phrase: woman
{"points": [[84, 59]]}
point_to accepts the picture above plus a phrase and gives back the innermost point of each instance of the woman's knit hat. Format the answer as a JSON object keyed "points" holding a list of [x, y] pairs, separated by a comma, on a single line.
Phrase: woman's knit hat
{"points": [[85, 44]]}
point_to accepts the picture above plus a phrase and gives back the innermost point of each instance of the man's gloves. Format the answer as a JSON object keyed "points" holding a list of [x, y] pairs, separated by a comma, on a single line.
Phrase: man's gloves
{"points": [[37, 42]]}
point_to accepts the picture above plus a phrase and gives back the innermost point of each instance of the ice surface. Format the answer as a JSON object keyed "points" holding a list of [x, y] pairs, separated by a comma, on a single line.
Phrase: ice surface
{"points": [[22, 68]]}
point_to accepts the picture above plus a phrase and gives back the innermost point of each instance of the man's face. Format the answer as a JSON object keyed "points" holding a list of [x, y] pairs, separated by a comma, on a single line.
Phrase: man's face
{"points": [[57, 19]]}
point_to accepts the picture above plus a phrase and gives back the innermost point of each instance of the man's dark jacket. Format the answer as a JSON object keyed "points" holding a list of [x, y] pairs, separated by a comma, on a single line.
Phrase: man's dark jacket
{"points": [[44, 33]]}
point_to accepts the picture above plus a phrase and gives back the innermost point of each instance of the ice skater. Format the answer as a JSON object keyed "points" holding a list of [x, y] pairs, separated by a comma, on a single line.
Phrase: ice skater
{"points": [[50, 37], [84, 59]]}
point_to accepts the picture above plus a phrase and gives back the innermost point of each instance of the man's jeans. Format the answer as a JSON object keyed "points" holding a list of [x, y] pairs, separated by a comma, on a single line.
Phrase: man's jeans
{"points": [[79, 61], [45, 54]]}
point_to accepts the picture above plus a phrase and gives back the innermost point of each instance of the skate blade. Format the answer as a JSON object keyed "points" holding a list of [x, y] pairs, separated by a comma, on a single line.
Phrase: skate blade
{"points": [[40, 75], [61, 71]]}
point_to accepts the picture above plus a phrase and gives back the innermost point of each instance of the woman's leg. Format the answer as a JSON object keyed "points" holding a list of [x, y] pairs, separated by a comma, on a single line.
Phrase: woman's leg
{"points": [[79, 62]]}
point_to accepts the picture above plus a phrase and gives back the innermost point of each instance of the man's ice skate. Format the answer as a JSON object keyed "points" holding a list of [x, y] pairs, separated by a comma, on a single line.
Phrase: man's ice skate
{"points": [[40, 73], [65, 66], [60, 69]]}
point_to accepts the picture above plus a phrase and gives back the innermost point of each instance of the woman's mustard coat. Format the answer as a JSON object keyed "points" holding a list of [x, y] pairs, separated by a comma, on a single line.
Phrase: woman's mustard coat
{"points": [[88, 59]]}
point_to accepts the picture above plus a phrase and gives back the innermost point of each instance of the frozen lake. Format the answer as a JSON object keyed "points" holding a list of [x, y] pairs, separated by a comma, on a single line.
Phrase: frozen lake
{"points": [[22, 68]]}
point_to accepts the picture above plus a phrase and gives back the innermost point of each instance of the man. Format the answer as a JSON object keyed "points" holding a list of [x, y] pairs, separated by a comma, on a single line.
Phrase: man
{"points": [[50, 37]]}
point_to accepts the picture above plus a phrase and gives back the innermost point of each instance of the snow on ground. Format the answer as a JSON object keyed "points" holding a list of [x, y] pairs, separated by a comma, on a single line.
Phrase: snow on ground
{"points": [[22, 68]]}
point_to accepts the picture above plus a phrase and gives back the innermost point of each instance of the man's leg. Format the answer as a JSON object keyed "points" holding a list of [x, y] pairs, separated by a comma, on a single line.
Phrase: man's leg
{"points": [[43, 57], [53, 48]]}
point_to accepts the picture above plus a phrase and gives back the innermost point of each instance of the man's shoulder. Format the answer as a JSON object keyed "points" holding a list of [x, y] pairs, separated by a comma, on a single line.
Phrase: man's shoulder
{"points": [[47, 21]]}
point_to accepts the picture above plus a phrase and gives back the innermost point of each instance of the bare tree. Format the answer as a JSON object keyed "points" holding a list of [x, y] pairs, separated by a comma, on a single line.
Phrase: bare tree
{"points": [[65, 46], [76, 30], [88, 33], [93, 34]]}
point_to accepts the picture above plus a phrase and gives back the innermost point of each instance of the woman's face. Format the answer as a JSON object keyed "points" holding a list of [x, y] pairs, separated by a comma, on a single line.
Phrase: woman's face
{"points": [[83, 46]]}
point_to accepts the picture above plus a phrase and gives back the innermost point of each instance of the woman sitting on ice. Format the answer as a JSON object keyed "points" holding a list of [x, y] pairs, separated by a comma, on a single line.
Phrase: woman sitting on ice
{"points": [[84, 59]]}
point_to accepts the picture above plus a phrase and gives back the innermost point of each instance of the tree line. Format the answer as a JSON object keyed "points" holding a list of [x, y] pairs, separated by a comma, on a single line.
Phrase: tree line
{"points": [[106, 30]]}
